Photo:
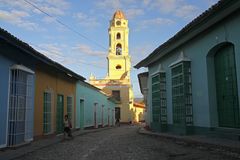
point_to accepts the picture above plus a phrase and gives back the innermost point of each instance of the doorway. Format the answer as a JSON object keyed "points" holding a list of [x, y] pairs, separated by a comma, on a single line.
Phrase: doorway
{"points": [[81, 113], [226, 87], [95, 115]]}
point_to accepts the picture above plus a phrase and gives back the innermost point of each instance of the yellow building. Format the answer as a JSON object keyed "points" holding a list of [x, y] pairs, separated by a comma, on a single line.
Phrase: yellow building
{"points": [[139, 112], [117, 82], [55, 90]]}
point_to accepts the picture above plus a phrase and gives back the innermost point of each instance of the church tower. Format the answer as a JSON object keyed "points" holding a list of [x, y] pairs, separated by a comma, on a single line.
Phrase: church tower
{"points": [[118, 59], [117, 83]]}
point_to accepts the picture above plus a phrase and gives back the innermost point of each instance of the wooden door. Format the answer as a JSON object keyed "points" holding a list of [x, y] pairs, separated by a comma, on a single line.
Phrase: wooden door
{"points": [[226, 88]]}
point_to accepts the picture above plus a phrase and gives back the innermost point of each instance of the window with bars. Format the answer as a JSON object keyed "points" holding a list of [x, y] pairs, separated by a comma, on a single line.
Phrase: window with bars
{"points": [[182, 93], [47, 112], [159, 104], [20, 121], [69, 107]]}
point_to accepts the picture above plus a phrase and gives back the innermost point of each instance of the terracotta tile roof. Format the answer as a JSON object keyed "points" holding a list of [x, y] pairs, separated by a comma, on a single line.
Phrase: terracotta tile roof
{"points": [[119, 15], [138, 105]]}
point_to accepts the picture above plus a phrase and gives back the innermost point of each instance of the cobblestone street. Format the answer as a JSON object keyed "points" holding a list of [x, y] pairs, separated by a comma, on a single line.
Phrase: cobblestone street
{"points": [[122, 143]]}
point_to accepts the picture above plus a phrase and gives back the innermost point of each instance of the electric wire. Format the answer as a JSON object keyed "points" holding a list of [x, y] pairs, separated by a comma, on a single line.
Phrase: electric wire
{"points": [[65, 25], [74, 31]]}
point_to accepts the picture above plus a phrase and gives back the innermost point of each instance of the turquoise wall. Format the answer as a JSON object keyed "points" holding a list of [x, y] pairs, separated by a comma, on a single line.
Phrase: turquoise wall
{"points": [[90, 96], [203, 90]]}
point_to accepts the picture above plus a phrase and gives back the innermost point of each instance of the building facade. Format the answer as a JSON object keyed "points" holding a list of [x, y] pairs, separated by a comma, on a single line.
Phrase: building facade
{"points": [[194, 78], [138, 112], [16, 93], [93, 107], [36, 92], [117, 82], [55, 94]]}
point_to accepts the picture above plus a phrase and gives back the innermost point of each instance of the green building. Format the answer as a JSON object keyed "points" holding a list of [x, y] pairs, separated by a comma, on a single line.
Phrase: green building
{"points": [[194, 77], [93, 107]]}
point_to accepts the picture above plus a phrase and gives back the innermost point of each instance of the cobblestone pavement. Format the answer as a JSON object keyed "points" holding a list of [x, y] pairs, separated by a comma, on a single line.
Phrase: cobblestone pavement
{"points": [[121, 143]]}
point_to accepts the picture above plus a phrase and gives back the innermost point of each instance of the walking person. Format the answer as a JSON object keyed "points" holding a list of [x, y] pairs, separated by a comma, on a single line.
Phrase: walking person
{"points": [[67, 127]]}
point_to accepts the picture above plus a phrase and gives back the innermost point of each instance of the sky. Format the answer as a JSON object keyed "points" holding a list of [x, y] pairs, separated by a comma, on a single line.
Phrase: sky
{"points": [[75, 32]]}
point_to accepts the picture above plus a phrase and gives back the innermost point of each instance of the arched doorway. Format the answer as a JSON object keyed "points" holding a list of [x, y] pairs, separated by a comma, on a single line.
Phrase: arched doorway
{"points": [[226, 87]]}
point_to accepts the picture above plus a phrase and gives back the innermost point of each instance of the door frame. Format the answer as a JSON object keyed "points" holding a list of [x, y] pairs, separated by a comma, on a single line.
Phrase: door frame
{"points": [[219, 51]]}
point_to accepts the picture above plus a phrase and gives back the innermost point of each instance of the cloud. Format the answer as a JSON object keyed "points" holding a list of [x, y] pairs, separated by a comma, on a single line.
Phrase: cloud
{"points": [[52, 51], [53, 7], [140, 52], [20, 12], [179, 8], [18, 18], [109, 4], [146, 2], [52, 10], [88, 51], [86, 20], [132, 13], [47, 19], [19, 4], [187, 11], [159, 22], [101, 64]]}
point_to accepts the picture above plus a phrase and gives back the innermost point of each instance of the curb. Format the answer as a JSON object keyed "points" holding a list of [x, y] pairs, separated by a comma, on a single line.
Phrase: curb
{"points": [[222, 149]]}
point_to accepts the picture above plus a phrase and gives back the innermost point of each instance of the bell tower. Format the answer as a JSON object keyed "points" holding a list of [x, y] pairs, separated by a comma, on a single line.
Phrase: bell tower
{"points": [[117, 83], [118, 59]]}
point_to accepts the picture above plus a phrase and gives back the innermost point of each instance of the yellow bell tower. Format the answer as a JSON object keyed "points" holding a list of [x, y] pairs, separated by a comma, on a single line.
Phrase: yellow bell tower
{"points": [[118, 59], [117, 83]]}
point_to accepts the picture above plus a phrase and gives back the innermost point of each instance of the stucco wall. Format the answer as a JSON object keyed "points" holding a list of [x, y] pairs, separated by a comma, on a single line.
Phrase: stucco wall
{"points": [[55, 84], [91, 96], [204, 108], [126, 95]]}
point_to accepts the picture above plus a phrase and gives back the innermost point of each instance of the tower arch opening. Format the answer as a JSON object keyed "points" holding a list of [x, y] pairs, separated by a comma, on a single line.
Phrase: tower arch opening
{"points": [[119, 49], [118, 36], [118, 67]]}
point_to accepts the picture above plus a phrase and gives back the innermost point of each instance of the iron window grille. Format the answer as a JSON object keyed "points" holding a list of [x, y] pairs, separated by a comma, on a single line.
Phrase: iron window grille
{"points": [[47, 111], [182, 94], [20, 121], [159, 101]]}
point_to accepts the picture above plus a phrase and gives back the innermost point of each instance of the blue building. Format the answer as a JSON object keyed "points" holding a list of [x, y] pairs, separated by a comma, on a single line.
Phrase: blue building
{"points": [[16, 93], [194, 77]]}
